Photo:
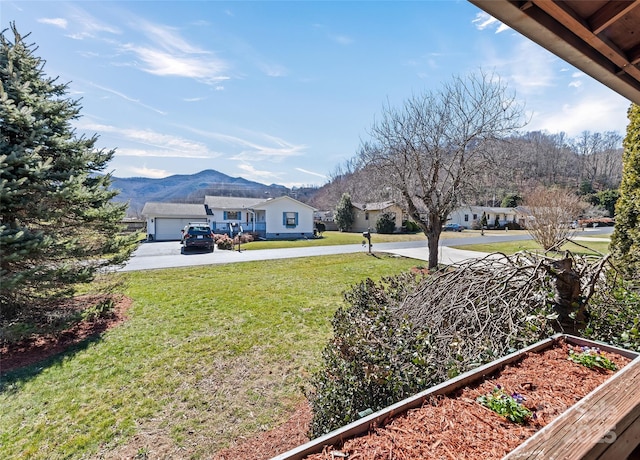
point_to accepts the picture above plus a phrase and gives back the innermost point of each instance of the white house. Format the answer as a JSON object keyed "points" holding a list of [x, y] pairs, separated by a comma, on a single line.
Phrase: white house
{"points": [[470, 216], [274, 218], [365, 215]]}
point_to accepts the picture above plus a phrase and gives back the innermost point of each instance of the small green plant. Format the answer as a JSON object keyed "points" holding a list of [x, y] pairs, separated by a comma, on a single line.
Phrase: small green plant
{"points": [[142, 454], [102, 310], [507, 405], [592, 358]]}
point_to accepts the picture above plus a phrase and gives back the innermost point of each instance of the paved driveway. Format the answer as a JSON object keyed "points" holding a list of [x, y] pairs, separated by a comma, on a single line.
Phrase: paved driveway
{"points": [[153, 255]]}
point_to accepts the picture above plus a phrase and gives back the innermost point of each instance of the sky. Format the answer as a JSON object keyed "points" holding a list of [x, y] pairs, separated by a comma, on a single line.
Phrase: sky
{"points": [[282, 92]]}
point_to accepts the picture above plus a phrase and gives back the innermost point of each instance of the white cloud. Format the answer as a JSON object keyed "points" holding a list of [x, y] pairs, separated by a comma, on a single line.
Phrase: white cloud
{"points": [[530, 67], [58, 22], [250, 173], [149, 172], [601, 111], [311, 172], [160, 153], [206, 69], [167, 38], [127, 98], [341, 39], [484, 21], [89, 26], [256, 147], [273, 70], [148, 143]]}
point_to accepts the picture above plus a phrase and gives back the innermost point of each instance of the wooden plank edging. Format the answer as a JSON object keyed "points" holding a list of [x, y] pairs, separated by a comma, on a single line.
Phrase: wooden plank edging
{"points": [[363, 425], [589, 427]]}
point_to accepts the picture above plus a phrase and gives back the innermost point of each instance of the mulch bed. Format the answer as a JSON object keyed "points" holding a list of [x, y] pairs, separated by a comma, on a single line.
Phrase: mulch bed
{"points": [[457, 427], [36, 348]]}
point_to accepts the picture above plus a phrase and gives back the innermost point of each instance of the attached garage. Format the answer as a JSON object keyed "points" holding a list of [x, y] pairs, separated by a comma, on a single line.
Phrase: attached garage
{"points": [[168, 229], [165, 220]]}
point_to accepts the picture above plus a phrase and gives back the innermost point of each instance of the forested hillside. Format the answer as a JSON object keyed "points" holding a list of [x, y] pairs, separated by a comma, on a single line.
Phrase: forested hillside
{"points": [[589, 163]]}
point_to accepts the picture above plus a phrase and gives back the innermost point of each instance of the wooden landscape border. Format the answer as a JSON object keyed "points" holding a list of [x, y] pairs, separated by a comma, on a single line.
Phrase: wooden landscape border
{"points": [[626, 429]]}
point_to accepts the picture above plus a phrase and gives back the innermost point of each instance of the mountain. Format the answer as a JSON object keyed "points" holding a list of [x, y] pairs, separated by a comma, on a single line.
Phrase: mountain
{"points": [[190, 188]]}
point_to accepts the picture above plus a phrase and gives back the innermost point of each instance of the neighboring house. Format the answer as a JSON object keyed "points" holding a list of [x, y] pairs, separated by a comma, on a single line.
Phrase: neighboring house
{"points": [[274, 218], [470, 216], [326, 217], [365, 215]]}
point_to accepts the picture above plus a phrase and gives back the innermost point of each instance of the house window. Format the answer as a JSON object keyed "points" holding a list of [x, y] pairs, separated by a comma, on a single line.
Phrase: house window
{"points": [[466, 217], [290, 219], [232, 215], [475, 217], [366, 215]]}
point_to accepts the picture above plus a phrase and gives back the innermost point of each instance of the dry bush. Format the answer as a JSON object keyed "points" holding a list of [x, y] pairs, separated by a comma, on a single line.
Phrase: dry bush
{"points": [[552, 211]]}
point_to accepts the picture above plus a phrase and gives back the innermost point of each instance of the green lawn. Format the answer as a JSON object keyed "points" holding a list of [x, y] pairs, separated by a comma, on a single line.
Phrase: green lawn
{"points": [[334, 238], [208, 354], [511, 247]]}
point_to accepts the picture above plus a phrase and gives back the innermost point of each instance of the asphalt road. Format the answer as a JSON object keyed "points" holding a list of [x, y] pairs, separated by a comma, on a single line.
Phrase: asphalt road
{"points": [[155, 255]]}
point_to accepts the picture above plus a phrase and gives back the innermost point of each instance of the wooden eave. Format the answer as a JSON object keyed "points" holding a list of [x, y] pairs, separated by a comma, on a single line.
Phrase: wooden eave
{"points": [[599, 37]]}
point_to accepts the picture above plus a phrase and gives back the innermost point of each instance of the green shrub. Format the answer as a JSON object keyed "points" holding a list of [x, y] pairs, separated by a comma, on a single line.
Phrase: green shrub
{"points": [[386, 223], [614, 316], [104, 309], [375, 358], [411, 226]]}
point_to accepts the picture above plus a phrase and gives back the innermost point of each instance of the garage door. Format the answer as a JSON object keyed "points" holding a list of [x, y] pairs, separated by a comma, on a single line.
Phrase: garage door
{"points": [[169, 229]]}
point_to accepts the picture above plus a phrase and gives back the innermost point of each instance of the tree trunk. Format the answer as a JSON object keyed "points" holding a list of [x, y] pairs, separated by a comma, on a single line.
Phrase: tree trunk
{"points": [[432, 231], [567, 299], [432, 244]]}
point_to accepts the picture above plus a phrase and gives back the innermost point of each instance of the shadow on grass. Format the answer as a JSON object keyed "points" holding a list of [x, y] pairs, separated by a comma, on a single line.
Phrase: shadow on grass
{"points": [[11, 381]]}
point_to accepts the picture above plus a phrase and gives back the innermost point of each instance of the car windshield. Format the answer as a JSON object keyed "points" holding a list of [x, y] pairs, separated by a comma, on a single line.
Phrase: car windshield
{"points": [[199, 230]]}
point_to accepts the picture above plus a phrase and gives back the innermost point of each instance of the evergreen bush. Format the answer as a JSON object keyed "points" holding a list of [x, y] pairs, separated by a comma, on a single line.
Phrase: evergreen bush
{"points": [[374, 359], [386, 223]]}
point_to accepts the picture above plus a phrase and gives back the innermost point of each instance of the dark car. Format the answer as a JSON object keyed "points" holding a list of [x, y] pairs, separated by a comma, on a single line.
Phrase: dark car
{"points": [[197, 235], [452, 228]]}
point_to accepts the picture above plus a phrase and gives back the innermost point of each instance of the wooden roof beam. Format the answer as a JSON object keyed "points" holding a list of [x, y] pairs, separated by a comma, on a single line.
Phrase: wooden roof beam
{"points": [[610, 13], [575, 24]]}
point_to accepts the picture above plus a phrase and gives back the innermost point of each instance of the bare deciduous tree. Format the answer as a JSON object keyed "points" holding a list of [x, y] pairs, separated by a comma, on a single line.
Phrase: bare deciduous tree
{"points": [[430, 150], [552, 210]]}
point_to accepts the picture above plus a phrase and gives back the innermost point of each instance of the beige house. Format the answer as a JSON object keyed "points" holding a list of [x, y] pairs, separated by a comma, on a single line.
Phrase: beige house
{"points": [[366, 215]]}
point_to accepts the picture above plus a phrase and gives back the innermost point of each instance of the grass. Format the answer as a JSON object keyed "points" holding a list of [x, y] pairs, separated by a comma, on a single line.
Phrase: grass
{"points": [[340, 238], [208, 355], [334, 238], [511, 247]]}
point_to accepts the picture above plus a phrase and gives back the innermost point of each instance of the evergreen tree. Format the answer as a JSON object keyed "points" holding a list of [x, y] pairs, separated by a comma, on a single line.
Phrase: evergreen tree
{"points": [[386, 223], [625, 241], [512, 200], [344, 213], [58, 225]]}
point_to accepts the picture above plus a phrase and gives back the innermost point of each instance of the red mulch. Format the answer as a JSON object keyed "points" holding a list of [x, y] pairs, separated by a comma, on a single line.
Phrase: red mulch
{"points": [[457, 427], [37, 348], [283, 438]]}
